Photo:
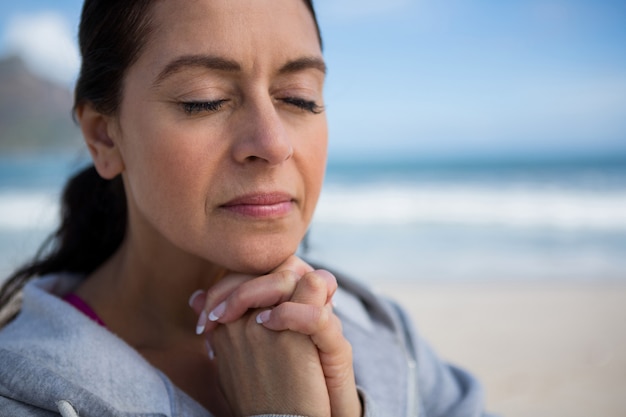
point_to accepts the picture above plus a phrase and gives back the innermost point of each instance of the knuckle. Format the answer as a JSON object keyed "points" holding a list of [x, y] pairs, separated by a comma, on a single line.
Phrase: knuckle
{"points": [[329, 278], [314, 282], [289, 277], [323, 318]]}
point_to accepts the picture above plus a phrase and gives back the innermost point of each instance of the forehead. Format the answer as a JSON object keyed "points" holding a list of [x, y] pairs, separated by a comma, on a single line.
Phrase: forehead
{"points": [[247, 31]]}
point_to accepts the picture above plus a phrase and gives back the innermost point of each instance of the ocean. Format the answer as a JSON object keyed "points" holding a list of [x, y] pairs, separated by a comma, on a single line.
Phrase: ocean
{"points": [[402, 220]]}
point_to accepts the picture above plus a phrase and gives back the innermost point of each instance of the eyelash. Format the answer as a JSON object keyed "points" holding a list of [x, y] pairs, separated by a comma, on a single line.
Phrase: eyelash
{"points": [[195, 107], [303, 104]]}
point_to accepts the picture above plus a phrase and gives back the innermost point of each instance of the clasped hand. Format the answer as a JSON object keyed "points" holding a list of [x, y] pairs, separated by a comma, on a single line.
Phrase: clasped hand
{"points": [[278, 346]]}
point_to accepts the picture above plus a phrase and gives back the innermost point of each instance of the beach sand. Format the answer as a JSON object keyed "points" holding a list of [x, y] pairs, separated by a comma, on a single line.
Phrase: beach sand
{"points": [[540, 349]]}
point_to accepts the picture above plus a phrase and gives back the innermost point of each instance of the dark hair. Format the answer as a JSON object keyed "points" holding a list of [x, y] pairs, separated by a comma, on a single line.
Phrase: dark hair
{"points": [[112, 34]]}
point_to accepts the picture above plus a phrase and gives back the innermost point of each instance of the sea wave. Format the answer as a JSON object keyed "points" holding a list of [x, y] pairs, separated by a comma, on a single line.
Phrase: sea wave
{"points": [[474, 206], [403, 205], [28, 210]]}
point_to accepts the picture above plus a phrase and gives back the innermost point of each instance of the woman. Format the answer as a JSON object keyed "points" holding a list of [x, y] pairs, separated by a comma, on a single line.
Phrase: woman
{"points": [[206, 128]]}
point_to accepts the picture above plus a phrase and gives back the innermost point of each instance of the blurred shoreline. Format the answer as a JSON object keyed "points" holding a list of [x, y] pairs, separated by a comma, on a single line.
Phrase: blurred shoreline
{"points": [[541, 349]]}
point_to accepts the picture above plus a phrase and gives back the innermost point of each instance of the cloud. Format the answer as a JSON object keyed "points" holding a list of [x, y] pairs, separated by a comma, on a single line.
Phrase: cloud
{"points": [[47, 44], [347, 9]]}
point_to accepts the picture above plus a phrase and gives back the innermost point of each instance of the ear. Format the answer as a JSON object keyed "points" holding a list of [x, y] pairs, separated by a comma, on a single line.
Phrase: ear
{"points": [[98, 131]]}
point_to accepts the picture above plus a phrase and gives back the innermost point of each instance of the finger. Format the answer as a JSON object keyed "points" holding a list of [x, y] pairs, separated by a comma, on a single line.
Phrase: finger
{"points": [[203, 303], [197, 301], [232, 296], [208, 344], [335, 352], [320, 323], [316, 288], [224, 288], [301, 318], [336, 358], [265, 291]]}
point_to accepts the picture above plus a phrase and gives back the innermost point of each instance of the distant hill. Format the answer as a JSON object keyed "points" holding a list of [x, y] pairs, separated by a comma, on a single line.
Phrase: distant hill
{"points": [[35, 114]]}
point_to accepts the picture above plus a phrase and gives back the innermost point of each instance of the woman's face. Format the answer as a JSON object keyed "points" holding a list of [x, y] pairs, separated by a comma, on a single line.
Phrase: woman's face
{"points": [[221, 130]]}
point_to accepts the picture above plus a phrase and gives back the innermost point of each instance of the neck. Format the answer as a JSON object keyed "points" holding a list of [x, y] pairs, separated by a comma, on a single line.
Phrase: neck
{"points": [[142, 292]]}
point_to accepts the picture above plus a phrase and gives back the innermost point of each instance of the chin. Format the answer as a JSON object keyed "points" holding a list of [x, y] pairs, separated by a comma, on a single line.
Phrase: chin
{"points": [[259, 259]]}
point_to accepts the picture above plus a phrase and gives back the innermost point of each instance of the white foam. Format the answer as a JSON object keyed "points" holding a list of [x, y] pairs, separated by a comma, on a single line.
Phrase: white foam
{"points": [[399, 205], [474, 205]]}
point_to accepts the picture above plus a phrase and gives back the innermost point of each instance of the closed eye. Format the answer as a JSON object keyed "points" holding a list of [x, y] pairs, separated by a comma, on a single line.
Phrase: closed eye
{"points": [[195, 107], [303, 104]]}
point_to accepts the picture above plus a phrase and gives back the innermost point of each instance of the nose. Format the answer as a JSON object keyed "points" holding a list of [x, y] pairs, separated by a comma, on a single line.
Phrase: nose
{"points": [[262, 135]]}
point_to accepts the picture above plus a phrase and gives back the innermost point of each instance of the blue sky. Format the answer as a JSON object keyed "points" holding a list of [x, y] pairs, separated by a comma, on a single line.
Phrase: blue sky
{"points": [[433, 78]]}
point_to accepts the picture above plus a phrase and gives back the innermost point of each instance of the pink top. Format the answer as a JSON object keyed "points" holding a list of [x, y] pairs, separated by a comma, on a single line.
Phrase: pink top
{"points": [[83, 307]]}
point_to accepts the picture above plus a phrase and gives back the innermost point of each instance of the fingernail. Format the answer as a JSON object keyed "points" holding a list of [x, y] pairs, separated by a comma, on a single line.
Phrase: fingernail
{"points": [[201, 323], [194, 296], [218, 311], [209, 349], [264, 316]]}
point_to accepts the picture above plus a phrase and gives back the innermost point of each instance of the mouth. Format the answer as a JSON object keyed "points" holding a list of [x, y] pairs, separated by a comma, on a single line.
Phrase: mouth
{"points": [[261, 205]]}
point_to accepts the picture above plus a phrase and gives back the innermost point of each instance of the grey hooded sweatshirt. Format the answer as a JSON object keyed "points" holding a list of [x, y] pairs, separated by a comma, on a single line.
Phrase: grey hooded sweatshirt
{"points": [[55, 361]]}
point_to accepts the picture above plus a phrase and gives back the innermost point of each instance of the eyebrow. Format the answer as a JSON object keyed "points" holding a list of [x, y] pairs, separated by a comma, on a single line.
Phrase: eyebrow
{"points": [[222, 64], [302, 64], [203, 61]]}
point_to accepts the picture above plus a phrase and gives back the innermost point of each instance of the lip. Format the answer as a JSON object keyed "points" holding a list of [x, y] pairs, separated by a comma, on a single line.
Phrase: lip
{"points": [[261, 205]]}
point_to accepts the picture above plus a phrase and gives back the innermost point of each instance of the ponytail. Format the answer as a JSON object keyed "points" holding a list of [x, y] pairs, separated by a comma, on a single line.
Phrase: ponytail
{"points": [[93, 224]]}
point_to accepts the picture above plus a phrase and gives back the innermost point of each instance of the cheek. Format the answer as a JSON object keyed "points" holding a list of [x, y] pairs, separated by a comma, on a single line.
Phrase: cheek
{"points": [[315, 156], [169, 172]]}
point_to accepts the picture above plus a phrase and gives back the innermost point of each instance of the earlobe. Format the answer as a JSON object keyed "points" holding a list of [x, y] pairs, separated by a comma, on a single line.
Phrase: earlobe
{"points": [[104, 150]]}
